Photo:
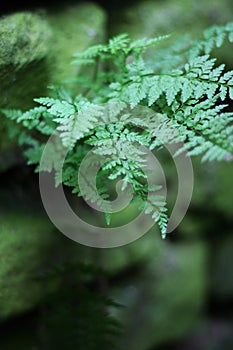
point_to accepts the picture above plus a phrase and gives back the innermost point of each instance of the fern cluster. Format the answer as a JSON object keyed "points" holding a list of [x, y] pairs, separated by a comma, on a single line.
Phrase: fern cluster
{"points": [[183, 87]]}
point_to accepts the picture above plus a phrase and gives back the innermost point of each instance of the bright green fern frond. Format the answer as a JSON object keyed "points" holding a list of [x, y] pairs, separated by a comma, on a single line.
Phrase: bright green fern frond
{"points": [[79, 124], [213, 37], [131, 103], [57, 107], [141, 45]]}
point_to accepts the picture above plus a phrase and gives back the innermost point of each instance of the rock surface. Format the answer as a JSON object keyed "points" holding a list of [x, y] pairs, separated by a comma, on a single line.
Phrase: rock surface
{"points": [[35, 52], [24, 240]]}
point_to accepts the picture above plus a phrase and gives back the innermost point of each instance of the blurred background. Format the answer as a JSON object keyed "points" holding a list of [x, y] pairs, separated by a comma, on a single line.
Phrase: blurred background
{"points": [[152, 294]]}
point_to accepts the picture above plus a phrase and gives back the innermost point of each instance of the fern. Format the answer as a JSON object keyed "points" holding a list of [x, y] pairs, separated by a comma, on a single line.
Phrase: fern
{"points": [[84, 324], [183, 89], [213, 37], [78, 316]]}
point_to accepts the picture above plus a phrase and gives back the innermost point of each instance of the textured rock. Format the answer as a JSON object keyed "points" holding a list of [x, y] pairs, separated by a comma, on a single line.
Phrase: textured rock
{"points": [[36, 49], [25, 43], [24, 240], [35, 52], [32, 253]]}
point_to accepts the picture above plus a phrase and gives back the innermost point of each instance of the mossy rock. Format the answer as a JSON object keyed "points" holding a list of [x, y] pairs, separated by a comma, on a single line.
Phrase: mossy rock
{"points": [[36, 49], [24, 240], [35, 52], [24, 38], [25, 43], [33, 260], [34, 256]]}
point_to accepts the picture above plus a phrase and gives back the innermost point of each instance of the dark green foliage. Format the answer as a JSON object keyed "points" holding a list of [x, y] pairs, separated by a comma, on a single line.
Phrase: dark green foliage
{"points": [[82, 322], [184, 88], [78, 315]]}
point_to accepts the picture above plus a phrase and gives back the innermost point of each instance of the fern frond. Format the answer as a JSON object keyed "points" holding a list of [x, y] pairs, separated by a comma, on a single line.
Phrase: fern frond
{"points": [[78, 316], [213, 37], [76, 126], [155, 206], [141, 45], [197, 78], [206, 130], [13, 114], [57, 107], [91, 52], [182, 87]]}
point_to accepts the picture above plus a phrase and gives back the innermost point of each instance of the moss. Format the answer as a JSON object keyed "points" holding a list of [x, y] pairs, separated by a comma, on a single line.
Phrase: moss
{"points": [[24, 44], [24, 239], [24, 37], [36, 50]]}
